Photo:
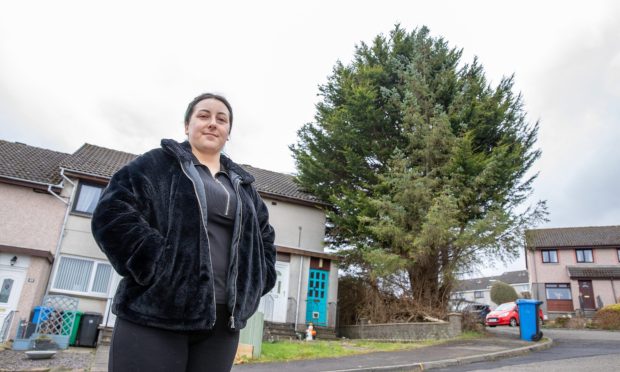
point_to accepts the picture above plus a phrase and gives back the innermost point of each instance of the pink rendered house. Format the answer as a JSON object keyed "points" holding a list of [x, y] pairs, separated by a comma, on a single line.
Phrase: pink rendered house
{"points": [[32, 211], [574, 270]]}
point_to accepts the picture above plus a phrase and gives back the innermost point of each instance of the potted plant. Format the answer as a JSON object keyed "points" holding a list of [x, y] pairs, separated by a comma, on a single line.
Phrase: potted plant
{"points": [[44, 342]]}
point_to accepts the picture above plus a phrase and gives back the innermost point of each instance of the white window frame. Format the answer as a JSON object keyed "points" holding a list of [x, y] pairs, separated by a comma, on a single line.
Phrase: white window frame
{"points": [[478, 294], [91, 279], [552, 286], [78, 194]]}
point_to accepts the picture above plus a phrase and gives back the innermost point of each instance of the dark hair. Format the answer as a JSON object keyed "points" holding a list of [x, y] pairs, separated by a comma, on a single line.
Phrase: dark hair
{"points": [[190, 107]]}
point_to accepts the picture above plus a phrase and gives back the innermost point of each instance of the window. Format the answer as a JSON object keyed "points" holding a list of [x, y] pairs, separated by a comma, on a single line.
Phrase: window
{"points": [[5, 290], [478, 294], [559, 291], [84, 276], [87, 197], [618, 254], [584, 255], [550, 255]]}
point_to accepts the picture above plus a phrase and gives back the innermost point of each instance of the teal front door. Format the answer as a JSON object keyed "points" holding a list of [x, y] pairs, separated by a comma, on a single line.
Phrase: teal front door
{"points": [[316, 307]]}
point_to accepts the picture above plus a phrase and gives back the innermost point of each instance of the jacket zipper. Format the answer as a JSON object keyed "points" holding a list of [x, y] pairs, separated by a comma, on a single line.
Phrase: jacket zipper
{"points": [[231, 321], [207, 235], [227, 195]]}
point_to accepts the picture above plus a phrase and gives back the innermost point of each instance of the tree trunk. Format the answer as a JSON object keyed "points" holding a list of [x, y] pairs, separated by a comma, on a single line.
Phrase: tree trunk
{"points": [[430, 290]]}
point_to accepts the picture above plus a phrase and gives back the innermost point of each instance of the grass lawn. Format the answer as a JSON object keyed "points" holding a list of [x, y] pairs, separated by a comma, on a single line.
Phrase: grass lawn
{"points": [[282, 351]]}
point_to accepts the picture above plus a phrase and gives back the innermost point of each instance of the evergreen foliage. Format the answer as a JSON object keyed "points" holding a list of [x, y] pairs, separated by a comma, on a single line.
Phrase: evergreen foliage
{"points": [[608, 317], [424, 163], [502, 292]]}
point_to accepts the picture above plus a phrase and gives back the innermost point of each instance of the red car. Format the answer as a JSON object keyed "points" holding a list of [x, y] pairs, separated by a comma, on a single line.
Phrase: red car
{"points": [[507, 314]]}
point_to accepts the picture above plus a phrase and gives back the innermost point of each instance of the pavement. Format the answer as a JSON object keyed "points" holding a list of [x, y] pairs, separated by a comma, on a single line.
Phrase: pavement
{"points": [[100, 363], [451, 353]]}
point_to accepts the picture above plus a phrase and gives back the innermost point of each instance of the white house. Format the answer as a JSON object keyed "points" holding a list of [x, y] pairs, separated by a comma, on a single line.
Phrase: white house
{"points": [[479, 289]]}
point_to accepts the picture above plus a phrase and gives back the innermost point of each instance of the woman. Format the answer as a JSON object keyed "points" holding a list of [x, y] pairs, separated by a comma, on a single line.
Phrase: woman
{"points": [[190, 235]]}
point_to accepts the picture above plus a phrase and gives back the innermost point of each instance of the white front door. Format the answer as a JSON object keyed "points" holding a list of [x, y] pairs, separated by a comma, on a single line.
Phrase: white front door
{"points": [[279, 293], [11, 283]]}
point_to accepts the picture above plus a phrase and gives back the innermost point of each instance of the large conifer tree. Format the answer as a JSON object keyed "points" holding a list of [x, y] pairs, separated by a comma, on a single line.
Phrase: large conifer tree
{"points": [[423, 161]]}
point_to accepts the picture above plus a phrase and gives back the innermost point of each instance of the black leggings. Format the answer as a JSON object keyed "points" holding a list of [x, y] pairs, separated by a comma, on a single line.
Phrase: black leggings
{"points": [[137, 348]]}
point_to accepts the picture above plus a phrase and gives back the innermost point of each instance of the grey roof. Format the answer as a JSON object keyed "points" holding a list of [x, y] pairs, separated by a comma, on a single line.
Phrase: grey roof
{"points": [[573, 237], [476, 284], [97, 161], [594, 271], [279, 184], [103, 162], [31, 164]]}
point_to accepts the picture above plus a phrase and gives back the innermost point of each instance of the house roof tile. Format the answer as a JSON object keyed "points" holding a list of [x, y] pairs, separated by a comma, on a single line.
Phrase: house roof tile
{"points": [[97, 161], [476, 284], [594, 271], [573, 237], [279, 184], [28, 163]]}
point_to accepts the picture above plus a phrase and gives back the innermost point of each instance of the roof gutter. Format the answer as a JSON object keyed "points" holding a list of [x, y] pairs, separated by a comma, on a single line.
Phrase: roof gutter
{"points": [[292, 199], [21, 180], [50, 187], [90, 176]]}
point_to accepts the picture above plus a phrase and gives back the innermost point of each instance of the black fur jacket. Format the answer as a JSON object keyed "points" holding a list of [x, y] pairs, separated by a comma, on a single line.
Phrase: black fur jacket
{"points": [[151, 224]]}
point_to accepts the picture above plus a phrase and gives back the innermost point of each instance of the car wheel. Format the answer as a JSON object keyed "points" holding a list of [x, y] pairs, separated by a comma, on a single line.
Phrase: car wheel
{"points": [[492, 326], [513, 322]]}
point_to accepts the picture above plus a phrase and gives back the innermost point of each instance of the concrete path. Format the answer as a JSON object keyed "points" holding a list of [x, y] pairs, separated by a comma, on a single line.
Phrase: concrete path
{"points": [[100, 363], [437, 356], [451, 353]]}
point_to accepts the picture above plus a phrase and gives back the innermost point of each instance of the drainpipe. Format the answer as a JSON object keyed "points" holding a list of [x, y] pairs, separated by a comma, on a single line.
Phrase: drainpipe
{"points": [[60, 186], [301, 261], [62, 230], [613, 289], [301, 267], [535, 273]]}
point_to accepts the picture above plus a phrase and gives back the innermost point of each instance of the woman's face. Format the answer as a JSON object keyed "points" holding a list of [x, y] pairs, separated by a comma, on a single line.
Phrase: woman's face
{"points": [[209, 126]]}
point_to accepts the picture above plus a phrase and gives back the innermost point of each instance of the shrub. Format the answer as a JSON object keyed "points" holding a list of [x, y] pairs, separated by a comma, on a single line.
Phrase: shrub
{"points": [[608, 317], [562, 321], [502, 292], [471, 322], [577, 323]]}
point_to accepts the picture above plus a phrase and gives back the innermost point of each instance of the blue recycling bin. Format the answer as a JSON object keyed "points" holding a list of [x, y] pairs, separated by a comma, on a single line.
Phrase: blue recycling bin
{"points": [[41, 313], [529, 325]]}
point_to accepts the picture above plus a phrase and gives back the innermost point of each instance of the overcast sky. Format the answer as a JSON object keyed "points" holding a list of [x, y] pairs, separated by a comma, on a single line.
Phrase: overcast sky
{"points": [[119, 74]]}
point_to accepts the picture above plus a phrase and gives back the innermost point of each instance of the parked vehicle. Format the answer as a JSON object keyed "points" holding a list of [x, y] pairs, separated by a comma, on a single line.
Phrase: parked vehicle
{"points": [[479, 311], [507, 314]]}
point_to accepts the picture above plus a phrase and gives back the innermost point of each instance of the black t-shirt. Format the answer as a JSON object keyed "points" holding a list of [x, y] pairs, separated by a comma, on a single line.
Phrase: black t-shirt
{"points": [[221, 210]]}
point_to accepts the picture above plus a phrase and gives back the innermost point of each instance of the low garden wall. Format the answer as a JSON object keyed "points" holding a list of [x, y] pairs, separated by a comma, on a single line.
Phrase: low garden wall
{"points": [[405, 331]]}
